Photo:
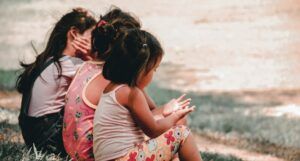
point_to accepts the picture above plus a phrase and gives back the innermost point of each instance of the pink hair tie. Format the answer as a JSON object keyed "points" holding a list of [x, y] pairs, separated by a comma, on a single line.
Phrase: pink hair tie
{"points": [[101, 23]]}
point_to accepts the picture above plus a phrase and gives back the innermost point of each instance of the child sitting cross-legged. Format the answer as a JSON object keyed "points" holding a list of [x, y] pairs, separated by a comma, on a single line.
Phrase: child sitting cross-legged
{"points": [[123, 116]]}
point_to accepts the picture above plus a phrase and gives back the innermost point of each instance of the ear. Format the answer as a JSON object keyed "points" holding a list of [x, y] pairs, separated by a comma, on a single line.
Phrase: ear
{"points": [[73, 33]]}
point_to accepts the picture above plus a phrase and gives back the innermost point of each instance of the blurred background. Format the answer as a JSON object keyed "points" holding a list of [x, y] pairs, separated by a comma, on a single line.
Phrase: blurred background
{"points": [[237, 59]]}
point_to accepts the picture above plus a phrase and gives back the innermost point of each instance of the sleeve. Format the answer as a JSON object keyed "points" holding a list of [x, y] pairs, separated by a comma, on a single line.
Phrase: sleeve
{"points": [[70, 66]]}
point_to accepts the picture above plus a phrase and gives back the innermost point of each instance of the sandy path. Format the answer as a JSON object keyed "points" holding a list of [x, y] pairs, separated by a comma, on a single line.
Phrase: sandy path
{"points": [[207, 145], [10, 100]]}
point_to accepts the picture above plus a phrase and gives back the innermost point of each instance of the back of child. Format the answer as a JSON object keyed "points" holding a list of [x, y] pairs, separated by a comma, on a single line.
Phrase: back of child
{"points": [[44, 82], [85, 91], [123, 116], [79, 114]]}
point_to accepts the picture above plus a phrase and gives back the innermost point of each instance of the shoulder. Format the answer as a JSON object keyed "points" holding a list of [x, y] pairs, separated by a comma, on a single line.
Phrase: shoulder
{"points": [[135, 92], [74, 60], [70, 62], [130, 92], [70, 65], [126, 95]]}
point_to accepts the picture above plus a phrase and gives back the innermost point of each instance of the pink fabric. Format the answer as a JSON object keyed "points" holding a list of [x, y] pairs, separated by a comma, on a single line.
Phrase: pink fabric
{"points": [[78, 116]]}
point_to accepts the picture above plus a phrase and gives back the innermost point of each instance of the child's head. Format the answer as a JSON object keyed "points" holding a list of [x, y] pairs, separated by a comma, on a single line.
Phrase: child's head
{"points": [[107, 30], [75, 22], [133, 58], [78, 20]]}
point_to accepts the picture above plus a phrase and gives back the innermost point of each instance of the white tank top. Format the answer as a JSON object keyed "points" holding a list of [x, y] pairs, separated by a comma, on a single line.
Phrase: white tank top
{"points": [[115, 132]]}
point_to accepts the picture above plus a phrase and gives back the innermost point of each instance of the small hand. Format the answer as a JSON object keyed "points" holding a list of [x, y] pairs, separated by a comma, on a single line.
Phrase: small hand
{"points": [[181, 113], [182, 121], [176, 104], [83, 47]]}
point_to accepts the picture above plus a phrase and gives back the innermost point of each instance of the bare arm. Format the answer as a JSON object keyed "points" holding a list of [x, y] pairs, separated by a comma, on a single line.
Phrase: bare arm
{"points": [[137, 104], [149, 100], [168, 107], [156, 111]]}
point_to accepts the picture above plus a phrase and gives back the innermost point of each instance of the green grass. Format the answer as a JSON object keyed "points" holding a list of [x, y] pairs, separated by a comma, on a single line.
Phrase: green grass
{"points": [[8, 79], [217, 157], [220, 113], [223, 113], [10, 151]]}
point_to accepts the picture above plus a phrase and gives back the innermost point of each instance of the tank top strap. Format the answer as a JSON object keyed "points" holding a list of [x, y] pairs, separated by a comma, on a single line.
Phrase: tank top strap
{"points": [[118, 87], [112, 93]]}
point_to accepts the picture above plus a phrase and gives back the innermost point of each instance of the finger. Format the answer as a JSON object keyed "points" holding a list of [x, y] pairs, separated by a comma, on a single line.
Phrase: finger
{"points": [[185, 101], [87, 45], [184, 112], [76, 46], [184, 105], [181, 97], [80, 45], [85, 57], [190, 108], [83, 40], [79, 48], [89, 58], [83, 43]]}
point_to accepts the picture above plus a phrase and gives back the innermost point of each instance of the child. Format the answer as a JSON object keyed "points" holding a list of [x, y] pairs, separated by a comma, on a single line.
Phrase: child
{"points": [[123, 115], [44, 83], [86, 88]]}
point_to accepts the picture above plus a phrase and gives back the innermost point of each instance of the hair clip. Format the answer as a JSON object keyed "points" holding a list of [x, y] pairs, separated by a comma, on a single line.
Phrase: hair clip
{"points": [[145, 45], [101, 23]]}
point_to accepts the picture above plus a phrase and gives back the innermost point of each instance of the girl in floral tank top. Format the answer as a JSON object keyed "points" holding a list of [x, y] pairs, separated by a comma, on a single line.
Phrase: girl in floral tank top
{"points": [[79, 114]]}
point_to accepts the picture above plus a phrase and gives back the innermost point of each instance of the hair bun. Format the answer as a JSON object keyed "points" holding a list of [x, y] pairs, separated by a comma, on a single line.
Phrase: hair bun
{"points": [[103, 35], [107, 30]]}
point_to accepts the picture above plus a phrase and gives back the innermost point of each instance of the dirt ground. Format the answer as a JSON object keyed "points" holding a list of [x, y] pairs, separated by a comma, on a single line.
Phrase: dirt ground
{"points": [[209, 145]]}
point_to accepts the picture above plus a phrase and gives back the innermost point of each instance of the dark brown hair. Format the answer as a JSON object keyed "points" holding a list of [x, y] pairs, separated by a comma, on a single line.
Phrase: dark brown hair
{"points": [[78, 18], [104, 35], [135, 52]]}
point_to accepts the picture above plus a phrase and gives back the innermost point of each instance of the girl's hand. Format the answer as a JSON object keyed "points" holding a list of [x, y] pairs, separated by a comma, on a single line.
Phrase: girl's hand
{"points": [[175, 104], [181, 113], [82, 46], [182, 121]]}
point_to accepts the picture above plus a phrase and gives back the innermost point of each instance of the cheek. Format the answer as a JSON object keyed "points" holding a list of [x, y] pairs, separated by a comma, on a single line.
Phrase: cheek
{"points": [[149, 78], [144, 81]]}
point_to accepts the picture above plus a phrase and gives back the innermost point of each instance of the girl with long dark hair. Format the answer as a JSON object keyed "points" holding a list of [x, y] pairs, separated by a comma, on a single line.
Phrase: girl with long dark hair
{"points": [[44, 82]]}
